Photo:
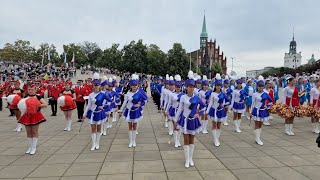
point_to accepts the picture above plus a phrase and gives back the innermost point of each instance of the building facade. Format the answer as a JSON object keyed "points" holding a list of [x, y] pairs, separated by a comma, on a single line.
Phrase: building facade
{"points": [[292, 59], [256, 73], [209, 55]]}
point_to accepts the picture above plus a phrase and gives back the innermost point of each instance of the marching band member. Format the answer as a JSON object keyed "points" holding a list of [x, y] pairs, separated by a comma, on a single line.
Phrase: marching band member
{"points": [[275, 86], [261, 102], [106, 105], [53, 92], [14, 108], [315, 102], [167, 105], [187, 117], [80, 92], [311, 84], [302, 90], [198, 83], [205, 94], [31, 120], [228, 91], [95, 114], [237, 104], [270, 92], [164, 93], [216, 109], [67, 110], [172, 107], [249, 90], [131, 108], [290, 97]]}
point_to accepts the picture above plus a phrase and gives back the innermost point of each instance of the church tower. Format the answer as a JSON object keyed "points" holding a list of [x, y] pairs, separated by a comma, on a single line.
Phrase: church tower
{"points": [[292, 59], [204, 34]]}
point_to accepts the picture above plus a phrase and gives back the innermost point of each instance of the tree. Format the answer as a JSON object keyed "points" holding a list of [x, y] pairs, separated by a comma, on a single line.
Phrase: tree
{"points": [[111, 57], [20, 51], [92, 51], [80, 57], [216, 68], [156, 60], [134, 57]]}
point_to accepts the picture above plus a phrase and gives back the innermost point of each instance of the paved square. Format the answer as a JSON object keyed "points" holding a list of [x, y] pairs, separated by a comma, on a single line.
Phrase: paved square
{"points": [[66, 155]]}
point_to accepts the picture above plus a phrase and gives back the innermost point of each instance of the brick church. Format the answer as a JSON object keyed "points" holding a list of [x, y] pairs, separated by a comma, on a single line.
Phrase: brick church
{"points": [[209, 54]]}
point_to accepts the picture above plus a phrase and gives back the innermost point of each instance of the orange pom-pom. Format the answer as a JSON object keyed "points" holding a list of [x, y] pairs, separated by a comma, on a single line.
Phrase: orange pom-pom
{"points": [[32, 105]]}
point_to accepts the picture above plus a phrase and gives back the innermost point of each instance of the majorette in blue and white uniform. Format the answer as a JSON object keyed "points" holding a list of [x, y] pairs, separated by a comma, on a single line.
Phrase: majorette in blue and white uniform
{"points": [[205, 94], [106, 105], [132, 107], [237, 104], [228, 91], [198, 80], [172, 108], [163, 97], [166, 104], [216, 109], [95, 114], [249, 89], [259, 109]]}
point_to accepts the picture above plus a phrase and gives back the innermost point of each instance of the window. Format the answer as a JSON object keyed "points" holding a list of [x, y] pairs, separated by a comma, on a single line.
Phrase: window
{"points": [[297, 60]]}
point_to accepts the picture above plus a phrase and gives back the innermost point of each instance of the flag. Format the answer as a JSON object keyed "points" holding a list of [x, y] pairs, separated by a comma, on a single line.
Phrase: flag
{"points": [[65, 58], [49, 59]]}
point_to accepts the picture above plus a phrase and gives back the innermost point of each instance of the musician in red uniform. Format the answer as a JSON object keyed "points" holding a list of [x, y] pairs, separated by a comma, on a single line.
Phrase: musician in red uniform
{"points": [[40, 89], [14, 108], [88, 85], [80, 91], [53, 94], [67, 110]]}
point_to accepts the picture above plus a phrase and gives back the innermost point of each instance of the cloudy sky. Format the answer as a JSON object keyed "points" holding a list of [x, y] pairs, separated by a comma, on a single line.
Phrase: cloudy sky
{"points": [[256, 33]]}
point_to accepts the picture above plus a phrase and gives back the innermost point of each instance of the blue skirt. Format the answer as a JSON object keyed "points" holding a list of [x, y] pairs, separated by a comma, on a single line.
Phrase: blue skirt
{"points": [[238, 107], [172, 113], [106, 108], [249, 101], [134, 115], [96, 117], [219, 116], [189, 125], [263, 114]]}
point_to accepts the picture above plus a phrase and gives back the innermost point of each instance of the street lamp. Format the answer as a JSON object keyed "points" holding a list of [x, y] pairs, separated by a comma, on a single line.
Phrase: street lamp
{"points": [[232, 63]]}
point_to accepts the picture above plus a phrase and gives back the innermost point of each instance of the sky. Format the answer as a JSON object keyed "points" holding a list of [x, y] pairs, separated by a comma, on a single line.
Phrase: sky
{"points": [[256, 33]]}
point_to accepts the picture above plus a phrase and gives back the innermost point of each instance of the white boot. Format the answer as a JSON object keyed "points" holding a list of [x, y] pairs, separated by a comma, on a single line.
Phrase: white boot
{"points": [[266, 123], [236, 124], [34, 146], [218, 131], [257, 134], [104, 128], [114, 117], [186, 149], [204, 128], [98, 140], [134, 135], [166, 122], [290, 129], [226, 123], [69, 125], [270, 117], [175, 136], [18, 128], [29, 145], [202, 124], [286, 129], [317, 128], [130, 139], [170, 128], [260, 136], [191, 146], [179, 136], [239, 123], [214, 135], [93, 139], [137, 128], [110, 123]]}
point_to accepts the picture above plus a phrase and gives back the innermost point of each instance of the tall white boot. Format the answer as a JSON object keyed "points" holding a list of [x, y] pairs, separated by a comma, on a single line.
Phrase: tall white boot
{"points": [[69, 125], [130, 139], [104, 128], [257, 134], [98, 140], [166, 122], [291, 129], [186, 149], [204, 128], [170, 128], [214, 136], [134, 136], [286, 129], [260, 136], [137, 128], [175, 136], [34, 146], [179, 136], [18, 128], [317, 128], [226, 123], [114, 117], [191, 146], [93, 139], [110, 123], [202, 124], [239, 123], [218, 131], [29, 145]]}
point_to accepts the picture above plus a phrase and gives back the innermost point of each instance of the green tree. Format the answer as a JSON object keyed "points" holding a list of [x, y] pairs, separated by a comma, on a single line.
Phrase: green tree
{"points": [[92, 51], [19, 51], [216, 68], [156, 60], [134, 57], [111, 57], [80, 56]]}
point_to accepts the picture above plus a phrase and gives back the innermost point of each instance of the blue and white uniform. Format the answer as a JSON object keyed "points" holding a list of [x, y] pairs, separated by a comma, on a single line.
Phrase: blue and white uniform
{"points": [[216, 108], [188, 107], [131, 113], [237, 102], [249, 90], [173, 104], [93, 114], [259, 108]]}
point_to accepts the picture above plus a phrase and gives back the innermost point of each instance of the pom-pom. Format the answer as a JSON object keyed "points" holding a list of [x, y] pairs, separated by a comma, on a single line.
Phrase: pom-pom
{"points": [[167, 77], [260, 78], [134, 77], [13, 99], [226, 77], [96, 75], [22, 106], [65, 101], [110, 80], [171, 78], [218, 76], [114, 78], [61, 101], [204, 77], [300, 111], [177, 77], [32, 105], [105, 78]]}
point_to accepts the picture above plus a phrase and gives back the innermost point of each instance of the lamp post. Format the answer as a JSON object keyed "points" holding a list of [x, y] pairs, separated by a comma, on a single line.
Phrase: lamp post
{"points": [[232, 63]]}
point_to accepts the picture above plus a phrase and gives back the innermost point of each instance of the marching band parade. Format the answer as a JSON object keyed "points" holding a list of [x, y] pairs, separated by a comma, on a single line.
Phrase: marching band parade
{"points": [[188, 106]]}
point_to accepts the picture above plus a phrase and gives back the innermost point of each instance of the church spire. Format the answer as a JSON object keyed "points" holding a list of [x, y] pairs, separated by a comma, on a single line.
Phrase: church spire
{"points": [[204, 33], [293, 34]]}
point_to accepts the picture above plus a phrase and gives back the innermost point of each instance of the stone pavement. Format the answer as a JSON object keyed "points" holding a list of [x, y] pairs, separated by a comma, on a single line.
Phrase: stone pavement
{"points": [[66, 155]]}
